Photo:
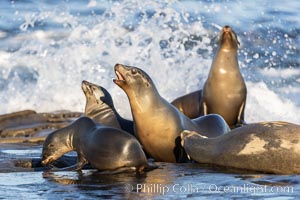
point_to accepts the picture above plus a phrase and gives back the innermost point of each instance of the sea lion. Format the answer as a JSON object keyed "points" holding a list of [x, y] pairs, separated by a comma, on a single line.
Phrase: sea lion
{"points": [[272, 147], [100, 107], [105, 148], [157, 123], [224, 91], [189, 104]]}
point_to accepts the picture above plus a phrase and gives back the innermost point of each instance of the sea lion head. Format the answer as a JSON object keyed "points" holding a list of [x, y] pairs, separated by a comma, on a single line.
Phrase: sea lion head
{"points": [[132, 79], [96, 94], [53, 148], [228, 38]]}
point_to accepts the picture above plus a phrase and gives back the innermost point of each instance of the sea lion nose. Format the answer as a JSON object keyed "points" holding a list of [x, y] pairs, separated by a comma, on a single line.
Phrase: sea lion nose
{"points": [[117, 66], [84, 82], [226, 28], [121, 67]]}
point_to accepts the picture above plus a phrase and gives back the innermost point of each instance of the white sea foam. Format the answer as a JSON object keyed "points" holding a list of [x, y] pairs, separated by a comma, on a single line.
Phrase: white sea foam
{"points": [[263, 104], [281, 73]]}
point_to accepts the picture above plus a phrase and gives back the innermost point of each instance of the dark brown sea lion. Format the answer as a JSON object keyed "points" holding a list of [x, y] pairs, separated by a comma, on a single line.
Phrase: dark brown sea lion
{"points": [[189, 104], [105, 148]]}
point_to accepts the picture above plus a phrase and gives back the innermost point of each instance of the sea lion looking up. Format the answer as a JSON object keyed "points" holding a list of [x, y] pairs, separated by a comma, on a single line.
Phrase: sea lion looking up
{"points": [[158, 123], [100, 107], [224, 91]]}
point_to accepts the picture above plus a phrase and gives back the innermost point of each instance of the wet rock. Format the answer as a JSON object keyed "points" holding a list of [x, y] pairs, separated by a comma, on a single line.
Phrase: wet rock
{"points": [[30, 126]]}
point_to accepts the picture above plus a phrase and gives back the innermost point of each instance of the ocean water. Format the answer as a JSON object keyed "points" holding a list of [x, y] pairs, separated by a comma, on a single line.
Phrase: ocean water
{"points": [[48, 47]]}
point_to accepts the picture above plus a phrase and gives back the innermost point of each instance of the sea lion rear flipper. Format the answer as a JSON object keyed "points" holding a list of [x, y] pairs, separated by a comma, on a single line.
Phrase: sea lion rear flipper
{"points": [[150, 166], [75, 167], [69, 168]]}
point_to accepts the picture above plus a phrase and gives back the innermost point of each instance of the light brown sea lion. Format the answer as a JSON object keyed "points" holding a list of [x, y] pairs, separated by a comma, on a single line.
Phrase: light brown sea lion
{"points": [[158, 123], [272, 147], [105, 148], [100, 108], [189, 104], [224, 91]]}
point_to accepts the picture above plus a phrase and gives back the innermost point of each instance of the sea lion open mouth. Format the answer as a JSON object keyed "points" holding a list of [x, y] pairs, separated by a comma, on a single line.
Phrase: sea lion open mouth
{"points": [[120, 78]]}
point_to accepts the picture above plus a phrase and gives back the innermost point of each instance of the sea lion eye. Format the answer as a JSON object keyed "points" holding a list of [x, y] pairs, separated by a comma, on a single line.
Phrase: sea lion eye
{"points": [[133, 71]]}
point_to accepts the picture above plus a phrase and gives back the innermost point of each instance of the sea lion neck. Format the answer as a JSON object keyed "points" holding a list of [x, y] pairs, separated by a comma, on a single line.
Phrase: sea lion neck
{"points": [[223, 65], [141, 102], [75, 130], [225, 59], [227, 44], [93, 110]]}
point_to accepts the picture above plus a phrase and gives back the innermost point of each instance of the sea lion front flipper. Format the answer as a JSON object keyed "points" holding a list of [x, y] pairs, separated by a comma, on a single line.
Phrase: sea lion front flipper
{"points": [[240, 118], [82, 161]]}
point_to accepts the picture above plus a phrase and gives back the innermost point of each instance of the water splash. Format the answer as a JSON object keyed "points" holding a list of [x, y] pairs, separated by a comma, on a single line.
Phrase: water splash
{"points": [[59, 45]]}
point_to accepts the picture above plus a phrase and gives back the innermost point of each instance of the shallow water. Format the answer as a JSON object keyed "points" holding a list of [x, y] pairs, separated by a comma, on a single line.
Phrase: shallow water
{"points": [[173, 181], [48, 47]]}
